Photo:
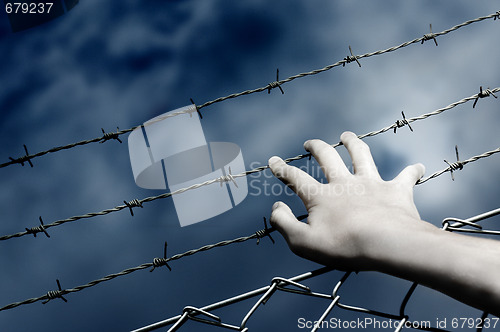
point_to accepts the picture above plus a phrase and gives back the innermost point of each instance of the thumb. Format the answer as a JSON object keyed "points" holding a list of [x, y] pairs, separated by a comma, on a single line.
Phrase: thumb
{"points": [[283, 219]]}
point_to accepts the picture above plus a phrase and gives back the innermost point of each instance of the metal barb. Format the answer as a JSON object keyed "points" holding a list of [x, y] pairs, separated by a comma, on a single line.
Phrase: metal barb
{"points": [[482, 94], [158, 262], [430, 36], [226, 178], [51, 295], [37, 229], [264, 232], [275, 84], [21, 160], [108, 136], [497, 15], [351, 58], [402, 123], [197, 108], [458, 165], [133, 203]]}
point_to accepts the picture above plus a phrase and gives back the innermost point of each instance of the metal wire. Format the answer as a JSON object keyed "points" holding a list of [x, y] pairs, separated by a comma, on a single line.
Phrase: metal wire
{"points": [[401, 320], [225, 178], [157, 262], [278, 83]]}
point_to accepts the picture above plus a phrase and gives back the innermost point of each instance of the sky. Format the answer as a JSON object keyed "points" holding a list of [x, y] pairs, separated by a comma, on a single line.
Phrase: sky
{"points": [[120, 63]]}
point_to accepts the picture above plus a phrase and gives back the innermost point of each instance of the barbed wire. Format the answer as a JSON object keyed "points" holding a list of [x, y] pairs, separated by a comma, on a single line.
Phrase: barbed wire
{"points": [[291, 285], [156, 262], [230, 177], [107, 136]]}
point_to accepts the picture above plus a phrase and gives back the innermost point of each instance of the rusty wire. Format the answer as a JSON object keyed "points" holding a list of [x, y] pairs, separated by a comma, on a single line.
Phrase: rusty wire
{"points": [[107, 136]]}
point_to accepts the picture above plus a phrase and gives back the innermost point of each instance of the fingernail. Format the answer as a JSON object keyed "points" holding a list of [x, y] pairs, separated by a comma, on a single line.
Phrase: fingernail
{"points": [[274, 160], [346, 134], [275, 205]]}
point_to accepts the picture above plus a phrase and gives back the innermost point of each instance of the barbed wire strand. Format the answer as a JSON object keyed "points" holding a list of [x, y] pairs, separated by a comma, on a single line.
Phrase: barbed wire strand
{"points": [[230, 177], [278, 83], [280, 284], [157, 262]]}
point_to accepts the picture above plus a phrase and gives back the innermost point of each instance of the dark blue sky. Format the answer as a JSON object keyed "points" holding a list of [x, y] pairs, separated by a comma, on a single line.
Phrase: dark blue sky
{"points": [[120, 63]]}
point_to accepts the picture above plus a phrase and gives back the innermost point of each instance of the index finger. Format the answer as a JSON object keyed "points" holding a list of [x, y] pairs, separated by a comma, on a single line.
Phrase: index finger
{"points": [[301, 183]]}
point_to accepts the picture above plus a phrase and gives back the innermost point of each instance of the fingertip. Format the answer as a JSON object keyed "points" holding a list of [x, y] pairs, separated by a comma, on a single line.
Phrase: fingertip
{"points": [[309, 144], [411, 174], [274, 160], [283, 219], [275, 214], [346, 136], [421, 168]]}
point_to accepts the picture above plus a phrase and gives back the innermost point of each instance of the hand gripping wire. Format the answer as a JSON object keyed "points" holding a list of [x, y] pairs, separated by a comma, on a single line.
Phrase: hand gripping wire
{"points": [[21, 160], [158, 262], [51, 295], [482, 94], [429, 36], [458, 165], [402, 123], [275, 84], [351, 58], [37, 229]]}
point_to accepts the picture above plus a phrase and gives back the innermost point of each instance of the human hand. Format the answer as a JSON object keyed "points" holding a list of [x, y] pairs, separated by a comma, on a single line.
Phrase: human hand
{"points": [[351, 215]]}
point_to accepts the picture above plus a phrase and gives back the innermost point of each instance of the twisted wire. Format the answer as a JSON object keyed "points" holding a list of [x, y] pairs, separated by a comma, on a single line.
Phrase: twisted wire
{"points": [[157, 262], [231, 177], [459, 165], [278, 83]]}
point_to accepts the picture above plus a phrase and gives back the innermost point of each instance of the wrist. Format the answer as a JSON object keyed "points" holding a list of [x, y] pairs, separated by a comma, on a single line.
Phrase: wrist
{"points": [[397, 249]]}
